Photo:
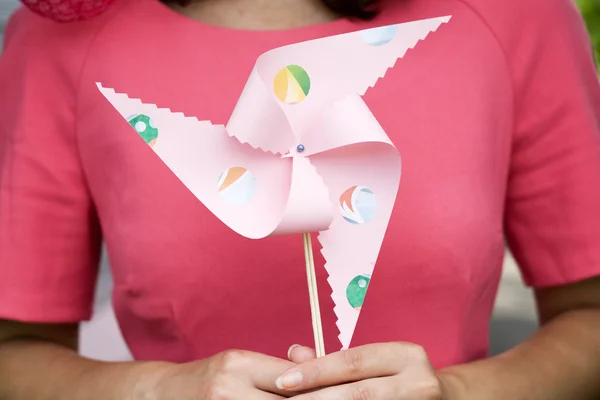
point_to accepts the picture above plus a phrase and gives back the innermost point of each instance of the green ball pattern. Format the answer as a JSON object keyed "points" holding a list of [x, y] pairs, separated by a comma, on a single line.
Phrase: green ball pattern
{"points": [[144, 126], [357, 290]]}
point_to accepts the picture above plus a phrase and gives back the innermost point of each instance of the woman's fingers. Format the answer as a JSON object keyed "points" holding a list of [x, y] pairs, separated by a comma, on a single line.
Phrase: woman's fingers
{"points": [[300, 354], [370, 361], [390, 388], [264, 371], [384, 371], [372, 389], [259, 395], [239, 390], [253, 370]]}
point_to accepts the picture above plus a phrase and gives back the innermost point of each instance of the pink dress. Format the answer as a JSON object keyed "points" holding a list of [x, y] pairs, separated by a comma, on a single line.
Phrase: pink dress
{"points": [[497, 118]]}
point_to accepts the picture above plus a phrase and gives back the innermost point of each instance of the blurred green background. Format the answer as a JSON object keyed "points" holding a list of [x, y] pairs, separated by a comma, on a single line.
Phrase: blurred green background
{"points": [[591, 13]]}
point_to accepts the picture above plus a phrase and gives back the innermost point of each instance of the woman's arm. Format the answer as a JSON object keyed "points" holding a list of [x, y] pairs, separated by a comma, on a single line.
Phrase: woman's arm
{"points": [[41, 362], [561, 361]]}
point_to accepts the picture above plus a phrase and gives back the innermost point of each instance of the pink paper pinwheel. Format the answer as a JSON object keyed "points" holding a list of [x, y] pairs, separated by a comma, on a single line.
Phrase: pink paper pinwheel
{"points": [[301, 152]]}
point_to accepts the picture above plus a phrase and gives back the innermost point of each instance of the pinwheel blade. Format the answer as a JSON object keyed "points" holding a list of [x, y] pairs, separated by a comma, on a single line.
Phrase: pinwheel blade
{"points": [[363, 182], [246, 188], [311, 75]]}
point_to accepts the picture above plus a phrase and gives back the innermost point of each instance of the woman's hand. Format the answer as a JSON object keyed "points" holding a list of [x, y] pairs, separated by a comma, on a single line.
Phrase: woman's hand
{"points": [[232, 375], [384, 371]]}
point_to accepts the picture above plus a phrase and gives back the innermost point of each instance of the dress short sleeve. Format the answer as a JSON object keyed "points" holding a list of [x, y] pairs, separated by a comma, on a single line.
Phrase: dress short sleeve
{"points": [[553, 197], [49, 240]]}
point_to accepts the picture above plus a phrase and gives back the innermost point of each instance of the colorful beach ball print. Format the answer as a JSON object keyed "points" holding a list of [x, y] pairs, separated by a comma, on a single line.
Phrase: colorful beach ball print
{"points": [[357, 290], [358, 205], [237, 186], [379, 36], [292, 84], [145, 127]]}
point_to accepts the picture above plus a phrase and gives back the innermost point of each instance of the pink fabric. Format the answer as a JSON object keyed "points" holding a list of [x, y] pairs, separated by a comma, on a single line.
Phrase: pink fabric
{"points": [[68, 10], [497, 118]]}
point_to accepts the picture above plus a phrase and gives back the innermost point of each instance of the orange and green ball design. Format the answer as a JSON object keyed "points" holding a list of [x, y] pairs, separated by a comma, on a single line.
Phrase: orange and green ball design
{"points": [[292, 84], [357, 290], [145, 127], [358, 205], [237, 186]]}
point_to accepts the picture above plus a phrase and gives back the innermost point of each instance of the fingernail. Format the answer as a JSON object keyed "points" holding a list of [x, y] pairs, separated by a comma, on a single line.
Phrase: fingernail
{"points": [[289, 380], [292, 347]]}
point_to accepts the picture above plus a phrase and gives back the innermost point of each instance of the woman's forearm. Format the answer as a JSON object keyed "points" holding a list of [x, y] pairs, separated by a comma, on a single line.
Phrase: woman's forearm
{"points": [[39, 370], [562, 361]]}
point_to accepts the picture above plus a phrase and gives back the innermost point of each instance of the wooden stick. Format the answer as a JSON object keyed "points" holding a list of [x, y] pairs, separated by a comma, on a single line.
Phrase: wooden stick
{"points": [[314, 296], [316, 292], [313, 293]]}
